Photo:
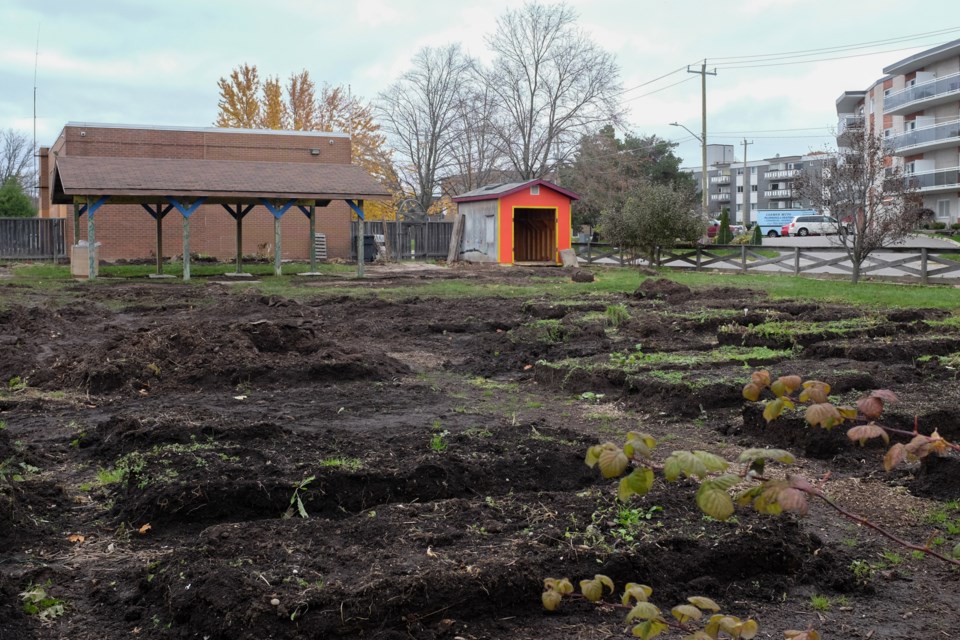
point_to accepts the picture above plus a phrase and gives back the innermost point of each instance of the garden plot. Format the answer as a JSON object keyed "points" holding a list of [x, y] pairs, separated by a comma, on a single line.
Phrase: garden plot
{"points": [[193, 461]]}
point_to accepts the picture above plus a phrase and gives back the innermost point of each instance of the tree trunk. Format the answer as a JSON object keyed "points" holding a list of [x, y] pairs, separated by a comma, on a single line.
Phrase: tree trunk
{"points": [[855, 276]]}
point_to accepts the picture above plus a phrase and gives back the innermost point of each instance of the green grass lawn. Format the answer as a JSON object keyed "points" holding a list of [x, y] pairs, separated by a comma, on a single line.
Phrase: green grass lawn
{"points": [[608, 280]]}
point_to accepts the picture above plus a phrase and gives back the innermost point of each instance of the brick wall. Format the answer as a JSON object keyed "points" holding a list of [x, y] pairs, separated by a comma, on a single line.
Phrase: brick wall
{"points": [[129, 232]]}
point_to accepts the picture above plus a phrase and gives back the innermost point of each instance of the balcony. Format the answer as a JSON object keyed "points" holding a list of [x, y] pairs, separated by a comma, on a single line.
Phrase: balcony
{"points": [[938, 181], [849, 122], [780, 194], [719, 197], [724, 179], [923, 96], [940, 136], [783, 174]]}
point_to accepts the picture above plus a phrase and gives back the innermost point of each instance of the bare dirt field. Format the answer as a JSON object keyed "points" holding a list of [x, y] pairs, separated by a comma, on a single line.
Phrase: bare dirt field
{"points": [[155, 436]]}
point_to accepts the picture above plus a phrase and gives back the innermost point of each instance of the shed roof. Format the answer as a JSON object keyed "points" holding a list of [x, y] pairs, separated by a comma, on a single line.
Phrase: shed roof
{"points": [[496, 191], [214, 179]]}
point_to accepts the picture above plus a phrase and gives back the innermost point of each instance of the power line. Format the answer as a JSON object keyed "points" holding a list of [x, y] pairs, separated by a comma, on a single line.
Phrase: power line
{"points": [[643, 84], [854, 55], [861, 45], [650, 93]]}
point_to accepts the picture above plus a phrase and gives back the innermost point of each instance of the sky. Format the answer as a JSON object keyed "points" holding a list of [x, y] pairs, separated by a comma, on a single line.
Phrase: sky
{"points": [[157, 62]]}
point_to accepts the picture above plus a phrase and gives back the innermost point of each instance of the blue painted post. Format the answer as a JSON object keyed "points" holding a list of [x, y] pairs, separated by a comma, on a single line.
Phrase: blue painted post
{"points": [[277, 211], [358, 209], [186, 211], [91, 207], [310, 212], [91, 242]]}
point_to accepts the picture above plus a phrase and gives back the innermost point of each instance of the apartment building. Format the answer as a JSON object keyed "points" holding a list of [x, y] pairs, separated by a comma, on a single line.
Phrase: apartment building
{"points": [[916, 105], [771, 183]]}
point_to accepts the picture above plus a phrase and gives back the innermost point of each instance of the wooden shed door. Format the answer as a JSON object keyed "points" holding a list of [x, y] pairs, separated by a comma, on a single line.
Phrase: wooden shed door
{"points": [[534, 235]]}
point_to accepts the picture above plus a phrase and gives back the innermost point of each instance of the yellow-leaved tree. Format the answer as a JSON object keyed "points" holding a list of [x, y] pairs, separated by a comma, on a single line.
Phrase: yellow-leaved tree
{"points": [[248, 103]]}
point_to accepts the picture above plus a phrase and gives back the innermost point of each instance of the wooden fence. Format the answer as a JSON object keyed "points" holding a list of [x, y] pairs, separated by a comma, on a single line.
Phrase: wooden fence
{"points": [[32, 239], [408, 240], [918, 262]]}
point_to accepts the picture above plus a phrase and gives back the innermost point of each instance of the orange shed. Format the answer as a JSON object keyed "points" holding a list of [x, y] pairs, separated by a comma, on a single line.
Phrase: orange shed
{"points": [[516, 222]]}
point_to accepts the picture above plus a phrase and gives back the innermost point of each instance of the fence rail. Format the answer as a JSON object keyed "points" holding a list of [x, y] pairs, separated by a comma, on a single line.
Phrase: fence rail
{"points": [[32, 239], [918, 262], [408, 240]]}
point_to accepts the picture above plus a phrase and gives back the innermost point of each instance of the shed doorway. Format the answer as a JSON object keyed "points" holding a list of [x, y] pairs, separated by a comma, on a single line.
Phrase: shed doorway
{"points": [[535, 235]]}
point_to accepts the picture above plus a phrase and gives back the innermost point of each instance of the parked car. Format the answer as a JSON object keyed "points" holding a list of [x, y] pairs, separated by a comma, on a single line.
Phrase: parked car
{"points": [[714, 226], [811, 226]]}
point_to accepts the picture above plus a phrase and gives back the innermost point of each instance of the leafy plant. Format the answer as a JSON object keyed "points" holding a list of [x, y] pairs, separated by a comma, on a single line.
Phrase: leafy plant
{"points": [[820, 602], [296, 500], [16, 383], [616, 314], [791, 390], [438, 442], [591, 397], [37, 602], [647, 619]]}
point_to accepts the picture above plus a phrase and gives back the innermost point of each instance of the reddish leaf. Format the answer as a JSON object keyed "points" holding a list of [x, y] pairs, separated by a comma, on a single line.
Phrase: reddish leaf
{"points": [[896, 455], [864, 432], [792, 383], [793, 500], [761, 378], [751, 392], [870, 406], [823, 414], [885, 394]]}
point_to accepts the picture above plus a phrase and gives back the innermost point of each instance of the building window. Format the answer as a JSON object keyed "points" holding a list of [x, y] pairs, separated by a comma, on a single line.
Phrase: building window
{"points": [[753, 187], [535, 190], [943, 209], [753, 171]]}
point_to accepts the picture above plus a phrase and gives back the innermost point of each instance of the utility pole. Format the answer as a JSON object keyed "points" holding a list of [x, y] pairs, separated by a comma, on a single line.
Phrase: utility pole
{"points": [[703, 136], [745, 219]]}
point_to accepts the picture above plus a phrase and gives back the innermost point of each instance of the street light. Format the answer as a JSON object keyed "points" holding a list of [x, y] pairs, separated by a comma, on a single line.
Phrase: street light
{"points": [[703, 168]]}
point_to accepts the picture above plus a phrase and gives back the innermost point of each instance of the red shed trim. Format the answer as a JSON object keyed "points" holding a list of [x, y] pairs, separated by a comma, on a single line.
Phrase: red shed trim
{"points": [[493, 193]]}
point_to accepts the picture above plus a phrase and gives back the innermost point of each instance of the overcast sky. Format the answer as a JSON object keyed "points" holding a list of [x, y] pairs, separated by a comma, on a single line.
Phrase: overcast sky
{"points": [[158, 61]]}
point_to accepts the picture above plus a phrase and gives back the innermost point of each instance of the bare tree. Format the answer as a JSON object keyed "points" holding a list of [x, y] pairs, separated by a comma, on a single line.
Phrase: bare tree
{"points": [[419, 113], [474, 149], [874, 204], [16, 159], [553, 85]]}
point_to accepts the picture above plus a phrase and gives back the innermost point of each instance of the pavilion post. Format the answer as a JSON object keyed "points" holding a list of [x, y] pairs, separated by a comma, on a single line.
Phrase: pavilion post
{"points": [[277, 268], [159, 239], [91, 241], [239, 219], [76, 222], [186, 248], [313, 238]]}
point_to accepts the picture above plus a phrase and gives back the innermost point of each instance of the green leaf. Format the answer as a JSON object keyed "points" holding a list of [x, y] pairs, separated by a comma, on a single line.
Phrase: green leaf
{"points": [[613, 462], [956, 551], [638, 482], [685, 612], [648, 440], [689, 464], [713, 500], [593, 455], [671, 469], [635, 592], [712, 462], [592, 590], [772, 410], [706, 604], [643, 611], [780, 455], [649, 629], [551, 599], [300, 508]]}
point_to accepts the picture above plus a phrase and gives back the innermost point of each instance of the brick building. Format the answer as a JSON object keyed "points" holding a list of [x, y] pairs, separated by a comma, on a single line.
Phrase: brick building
{"points": [[127, 231]]}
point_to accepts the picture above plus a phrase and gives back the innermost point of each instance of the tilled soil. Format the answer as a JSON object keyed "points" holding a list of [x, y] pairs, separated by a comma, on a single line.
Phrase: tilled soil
{"points": [[195, 462]]}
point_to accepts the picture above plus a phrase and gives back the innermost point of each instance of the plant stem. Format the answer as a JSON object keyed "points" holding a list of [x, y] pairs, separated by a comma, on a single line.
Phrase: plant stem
{"points": [[871, 525]]}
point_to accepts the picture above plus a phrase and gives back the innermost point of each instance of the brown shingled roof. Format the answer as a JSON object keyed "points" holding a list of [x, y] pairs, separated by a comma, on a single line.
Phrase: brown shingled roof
{"points": [[214, 179]]}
